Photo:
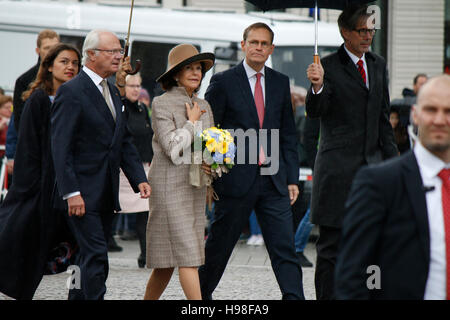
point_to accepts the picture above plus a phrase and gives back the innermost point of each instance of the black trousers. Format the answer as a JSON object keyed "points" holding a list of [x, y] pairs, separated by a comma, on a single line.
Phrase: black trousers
{"points": [[327, 249], [92, 232], [274, 215]]}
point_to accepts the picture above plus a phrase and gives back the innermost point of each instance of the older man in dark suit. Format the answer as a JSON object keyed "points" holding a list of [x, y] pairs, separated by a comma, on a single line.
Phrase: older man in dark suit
{"points": [[350, 95], [396, 231], [245, 99], [90, 141]]}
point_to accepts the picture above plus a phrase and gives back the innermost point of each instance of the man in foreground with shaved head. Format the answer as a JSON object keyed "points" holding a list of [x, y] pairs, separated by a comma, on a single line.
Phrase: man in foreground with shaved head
{"points": [[396, 237]]}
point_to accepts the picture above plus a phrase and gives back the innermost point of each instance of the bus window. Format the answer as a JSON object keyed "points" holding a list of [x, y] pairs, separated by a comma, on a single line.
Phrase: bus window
{"points": [[293, 62], [153, 56], [76, 41], [227, 57]]}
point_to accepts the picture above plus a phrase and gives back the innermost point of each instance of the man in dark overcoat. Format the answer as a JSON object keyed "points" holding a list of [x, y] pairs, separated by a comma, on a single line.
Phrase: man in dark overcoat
{"points": [[349, 93]]}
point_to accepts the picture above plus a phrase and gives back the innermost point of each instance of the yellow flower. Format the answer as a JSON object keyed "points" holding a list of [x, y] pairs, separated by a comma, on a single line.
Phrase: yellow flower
{"points": [[211, 145], [227, 160], [222, 147]]}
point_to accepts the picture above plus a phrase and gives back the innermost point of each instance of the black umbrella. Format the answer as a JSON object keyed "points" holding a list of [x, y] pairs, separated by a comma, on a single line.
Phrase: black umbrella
{"points": [[267, 5]]}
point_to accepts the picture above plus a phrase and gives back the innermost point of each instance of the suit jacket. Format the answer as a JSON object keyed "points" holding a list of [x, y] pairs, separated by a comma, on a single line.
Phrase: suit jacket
{"points": [[88, 147], [233, 106], [20, 87], [354, 130], [386, 224]]}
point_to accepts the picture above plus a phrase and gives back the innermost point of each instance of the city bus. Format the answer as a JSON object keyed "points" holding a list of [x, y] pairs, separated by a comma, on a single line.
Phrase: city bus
{"points": [[154, 31]]}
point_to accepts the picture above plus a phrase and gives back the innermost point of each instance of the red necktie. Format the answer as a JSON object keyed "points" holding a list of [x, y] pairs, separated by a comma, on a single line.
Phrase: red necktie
{"points": [[445, 177], [362, 71], [259, 102]]}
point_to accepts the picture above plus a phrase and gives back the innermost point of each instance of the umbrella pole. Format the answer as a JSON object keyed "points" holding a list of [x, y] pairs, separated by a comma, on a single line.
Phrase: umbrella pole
{"points": [[127, 44], [316, 22]]}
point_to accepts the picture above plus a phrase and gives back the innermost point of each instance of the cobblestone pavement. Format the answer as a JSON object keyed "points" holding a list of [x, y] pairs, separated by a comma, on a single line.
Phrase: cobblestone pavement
{"points": [[248, 276]]}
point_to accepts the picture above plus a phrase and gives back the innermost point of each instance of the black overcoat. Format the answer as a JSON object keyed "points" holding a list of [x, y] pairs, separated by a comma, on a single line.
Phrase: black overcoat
{"points": [[30, 227], [354, 130]]}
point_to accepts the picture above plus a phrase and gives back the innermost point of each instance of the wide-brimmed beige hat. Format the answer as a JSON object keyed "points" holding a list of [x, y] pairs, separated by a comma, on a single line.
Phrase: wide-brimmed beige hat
{"points": [[184, 54]]}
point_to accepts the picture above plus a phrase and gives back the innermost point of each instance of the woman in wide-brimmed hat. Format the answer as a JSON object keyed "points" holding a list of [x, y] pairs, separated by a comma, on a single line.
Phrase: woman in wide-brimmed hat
{"points": [[176, 224]]}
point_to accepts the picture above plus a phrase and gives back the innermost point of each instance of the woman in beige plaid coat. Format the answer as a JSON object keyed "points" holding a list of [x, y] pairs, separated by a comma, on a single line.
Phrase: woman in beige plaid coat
{"points": [[176, 224]]}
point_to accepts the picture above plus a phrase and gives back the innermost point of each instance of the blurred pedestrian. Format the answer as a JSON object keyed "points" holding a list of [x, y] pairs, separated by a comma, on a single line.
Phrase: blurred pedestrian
{"points": [[350, 95], [396, 231], [176, 224], [90, 143], [404, 105], [5, 116], [10, 147], [144, 97], [300, 209], [140, 127], [45, 40], [31, 222], [400, 132], [256, 238], [238, 98]]}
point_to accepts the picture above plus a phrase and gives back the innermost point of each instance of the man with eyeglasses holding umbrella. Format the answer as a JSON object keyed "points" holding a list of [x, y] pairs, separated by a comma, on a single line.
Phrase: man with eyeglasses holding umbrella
{"points": [[90, 142], [349, 93]]}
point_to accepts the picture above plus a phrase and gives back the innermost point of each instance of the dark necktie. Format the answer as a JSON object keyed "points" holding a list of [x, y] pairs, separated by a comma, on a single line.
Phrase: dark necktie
{"points": [[362, 71], [445, 177], [259, 102]]}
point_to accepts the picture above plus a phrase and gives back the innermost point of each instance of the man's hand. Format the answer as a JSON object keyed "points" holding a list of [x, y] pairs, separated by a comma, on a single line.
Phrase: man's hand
{"points": [[293, 193], [76, 206], [315, 74], [122, 73], [145, 190]]}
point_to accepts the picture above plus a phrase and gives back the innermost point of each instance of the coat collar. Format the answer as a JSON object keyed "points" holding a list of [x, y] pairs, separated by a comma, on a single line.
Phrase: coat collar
{"points": [[416, 194], [99, 102], [350, 67], [247, 92]]}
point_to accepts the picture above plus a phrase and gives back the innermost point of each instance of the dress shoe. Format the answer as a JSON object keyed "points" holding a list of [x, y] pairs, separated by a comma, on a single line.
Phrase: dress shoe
{"points": [[304, 262], [141, 261], [129, 235], [113, 246]]}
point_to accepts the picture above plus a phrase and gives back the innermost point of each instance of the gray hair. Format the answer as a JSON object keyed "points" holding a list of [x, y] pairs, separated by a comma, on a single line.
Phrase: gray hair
{"points": [[92, 41], [133, 76]]}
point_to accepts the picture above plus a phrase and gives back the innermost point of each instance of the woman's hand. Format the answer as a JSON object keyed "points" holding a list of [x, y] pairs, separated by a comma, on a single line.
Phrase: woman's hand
{"points": [[194, 113], [206, 168]]}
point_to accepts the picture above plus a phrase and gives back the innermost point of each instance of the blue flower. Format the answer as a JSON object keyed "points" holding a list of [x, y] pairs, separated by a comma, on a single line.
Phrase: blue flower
{"points": [[218, 157]]}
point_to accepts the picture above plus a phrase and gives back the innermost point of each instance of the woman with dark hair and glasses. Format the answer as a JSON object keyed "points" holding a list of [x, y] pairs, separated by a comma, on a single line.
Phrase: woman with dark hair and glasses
{"points": [[34, 239]]}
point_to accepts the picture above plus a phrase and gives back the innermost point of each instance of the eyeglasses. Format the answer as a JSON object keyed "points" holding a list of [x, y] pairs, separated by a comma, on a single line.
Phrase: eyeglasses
{"points": [[111, 52], [363, 31], [134, 86], [255, 43]]}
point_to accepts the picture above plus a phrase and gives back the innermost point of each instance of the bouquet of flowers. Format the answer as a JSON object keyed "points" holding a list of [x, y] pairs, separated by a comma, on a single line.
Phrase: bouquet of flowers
{"points": [[215, 147], [221, 150]]}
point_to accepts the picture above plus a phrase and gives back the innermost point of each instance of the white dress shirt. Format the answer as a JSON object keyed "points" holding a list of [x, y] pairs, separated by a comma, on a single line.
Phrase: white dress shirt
{"points": [[96, 79], [429, 167], [251, 75]]}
